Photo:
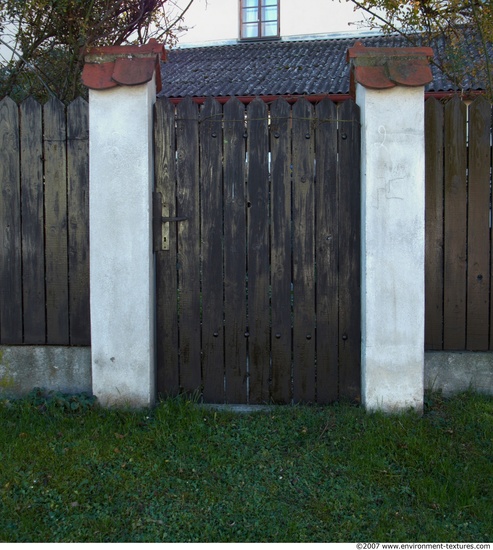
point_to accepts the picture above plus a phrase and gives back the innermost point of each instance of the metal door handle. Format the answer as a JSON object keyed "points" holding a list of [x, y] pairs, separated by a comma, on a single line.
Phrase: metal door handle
{"points": [[160, 222]]}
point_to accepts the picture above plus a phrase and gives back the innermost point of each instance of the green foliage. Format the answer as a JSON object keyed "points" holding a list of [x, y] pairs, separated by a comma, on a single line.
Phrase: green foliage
{"points": [[182, 472], [6, 379], [466, 26], [43, 400], [49, 38]]}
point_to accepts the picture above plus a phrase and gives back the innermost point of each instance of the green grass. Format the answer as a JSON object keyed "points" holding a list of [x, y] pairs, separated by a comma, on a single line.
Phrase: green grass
{"points": [[185, 473]]}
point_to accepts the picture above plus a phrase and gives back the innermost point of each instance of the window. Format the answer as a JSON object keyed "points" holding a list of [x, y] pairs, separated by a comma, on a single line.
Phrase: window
{"points": [[259, 19]]}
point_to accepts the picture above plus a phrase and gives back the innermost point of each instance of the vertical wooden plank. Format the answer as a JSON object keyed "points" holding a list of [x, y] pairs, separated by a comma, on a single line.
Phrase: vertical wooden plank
{"points": [[491, 256], [32, 201], [235, 321], [78, 221], [168, 381], [349, 251], [10, 226], [434, 151], [56, 256], [478, 216], [258, 251], [303, 253], [280, 251], [455, 252], [212, 257], [327, 251], [188, 245]]}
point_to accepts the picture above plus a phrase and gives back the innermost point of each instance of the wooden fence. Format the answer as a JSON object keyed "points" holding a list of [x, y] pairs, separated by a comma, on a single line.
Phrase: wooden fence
{"points": [[458, 226], [44, 223], [44, 258]]}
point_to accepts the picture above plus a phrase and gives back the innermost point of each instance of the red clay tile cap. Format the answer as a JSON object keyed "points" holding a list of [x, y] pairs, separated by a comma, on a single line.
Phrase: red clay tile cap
{"points": [[98, 76], [373, 77], [110, 66], [411, 72], [132, 72], [381, 68]]}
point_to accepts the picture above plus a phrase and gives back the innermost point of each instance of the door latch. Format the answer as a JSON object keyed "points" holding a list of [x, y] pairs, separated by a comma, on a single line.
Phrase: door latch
{"points": [[161, 221]]}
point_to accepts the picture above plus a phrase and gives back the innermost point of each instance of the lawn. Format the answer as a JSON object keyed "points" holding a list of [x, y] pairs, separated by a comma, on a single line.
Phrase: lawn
{"points": [[71, 471]]}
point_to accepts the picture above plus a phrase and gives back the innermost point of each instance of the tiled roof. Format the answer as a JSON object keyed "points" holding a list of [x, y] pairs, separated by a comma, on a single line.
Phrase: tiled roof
{"points": [[276, 68]]}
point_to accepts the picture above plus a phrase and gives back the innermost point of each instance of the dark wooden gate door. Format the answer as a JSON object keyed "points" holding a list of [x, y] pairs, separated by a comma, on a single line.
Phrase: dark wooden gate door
{"points": [[258, 296]]}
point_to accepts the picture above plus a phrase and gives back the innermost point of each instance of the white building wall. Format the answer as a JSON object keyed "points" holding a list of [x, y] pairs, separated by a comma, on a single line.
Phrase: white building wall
{"points": [[211, 21]]}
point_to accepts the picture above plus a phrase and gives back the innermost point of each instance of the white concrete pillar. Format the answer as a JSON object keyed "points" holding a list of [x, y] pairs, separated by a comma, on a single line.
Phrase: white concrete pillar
{"points": [[390, 92], [120, 203]]}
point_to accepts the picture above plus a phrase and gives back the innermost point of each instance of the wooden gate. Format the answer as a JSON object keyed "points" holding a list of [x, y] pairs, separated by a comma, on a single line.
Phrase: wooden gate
{"points": [[257, 255]]}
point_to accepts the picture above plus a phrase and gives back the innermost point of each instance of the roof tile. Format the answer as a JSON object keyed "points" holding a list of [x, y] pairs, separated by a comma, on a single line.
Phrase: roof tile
{"points": [[279, 68]]}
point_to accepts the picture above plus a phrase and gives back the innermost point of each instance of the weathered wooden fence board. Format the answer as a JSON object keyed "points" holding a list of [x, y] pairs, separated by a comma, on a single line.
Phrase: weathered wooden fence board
{"points": [[434, 225], [235, 309], [478, 216], [32, 212], [304, 321], [166, 261], [55, 157], [281, 337], [455, 226], [212, 254], [349, 249], [327, 251], [10, 225], [259, 278], [187, 142], [44, 176], [78, 221], [258, 251]]}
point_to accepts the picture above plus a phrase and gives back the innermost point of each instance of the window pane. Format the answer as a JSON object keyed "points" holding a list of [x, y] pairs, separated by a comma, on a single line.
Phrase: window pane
{"points": [[269, 13], [249, 30], [264, 11], [250, 15], [269, 28]]}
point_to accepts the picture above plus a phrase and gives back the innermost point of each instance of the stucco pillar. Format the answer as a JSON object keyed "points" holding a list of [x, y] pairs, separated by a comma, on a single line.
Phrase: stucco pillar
{"points": [[389, 87], [122, 83]]}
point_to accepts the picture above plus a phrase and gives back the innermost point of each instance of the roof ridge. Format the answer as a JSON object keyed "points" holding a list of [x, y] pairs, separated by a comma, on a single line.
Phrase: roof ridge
{"points": [[277, 42]]}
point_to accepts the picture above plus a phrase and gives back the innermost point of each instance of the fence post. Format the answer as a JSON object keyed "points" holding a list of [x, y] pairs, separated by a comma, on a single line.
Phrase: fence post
{"points": [[122, 90], [389, 87]]}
